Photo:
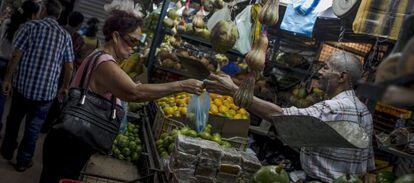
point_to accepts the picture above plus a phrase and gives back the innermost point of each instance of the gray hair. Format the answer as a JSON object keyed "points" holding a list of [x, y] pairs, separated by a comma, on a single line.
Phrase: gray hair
{"points": [[345, 62]]}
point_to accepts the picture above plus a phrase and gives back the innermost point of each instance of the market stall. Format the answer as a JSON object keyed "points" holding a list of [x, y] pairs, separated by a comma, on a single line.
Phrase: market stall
{"points": [[271, 53]]}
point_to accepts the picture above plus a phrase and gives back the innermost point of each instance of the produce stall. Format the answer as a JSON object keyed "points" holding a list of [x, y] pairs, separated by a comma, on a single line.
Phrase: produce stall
{"points": [[191, 39]]}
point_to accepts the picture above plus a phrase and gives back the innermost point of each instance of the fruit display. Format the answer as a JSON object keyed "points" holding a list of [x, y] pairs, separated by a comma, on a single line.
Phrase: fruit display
{"points": [[165, 144], [348, 179], [135, 106], [127, 146], [300, 97], [223, 36], [176, 106], [269, 14], [385, 177], [271, 174], [133, 66], [405, 179]]}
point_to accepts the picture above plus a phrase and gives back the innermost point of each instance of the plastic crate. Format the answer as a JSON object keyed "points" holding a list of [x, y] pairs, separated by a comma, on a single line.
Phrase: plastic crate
{"points": [[163, 124]]}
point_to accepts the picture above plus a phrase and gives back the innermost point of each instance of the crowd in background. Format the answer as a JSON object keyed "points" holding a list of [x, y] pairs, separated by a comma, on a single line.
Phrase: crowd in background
{"points": [[52, 50]]}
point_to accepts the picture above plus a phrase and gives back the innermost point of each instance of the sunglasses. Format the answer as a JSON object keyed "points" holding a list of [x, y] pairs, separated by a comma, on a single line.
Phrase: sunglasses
{"points": [[133, 41]]}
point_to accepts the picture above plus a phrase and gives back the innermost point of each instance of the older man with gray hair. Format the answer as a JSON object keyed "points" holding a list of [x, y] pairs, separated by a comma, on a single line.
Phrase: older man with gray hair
{"points": [[337, 79]]}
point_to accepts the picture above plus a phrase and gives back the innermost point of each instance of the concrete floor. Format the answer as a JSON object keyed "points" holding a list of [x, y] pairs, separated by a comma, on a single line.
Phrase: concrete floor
{"points": [[32, 175]]}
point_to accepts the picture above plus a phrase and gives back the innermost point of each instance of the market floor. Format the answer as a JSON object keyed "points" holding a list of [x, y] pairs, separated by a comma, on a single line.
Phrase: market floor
{"points": [[32, 175]]}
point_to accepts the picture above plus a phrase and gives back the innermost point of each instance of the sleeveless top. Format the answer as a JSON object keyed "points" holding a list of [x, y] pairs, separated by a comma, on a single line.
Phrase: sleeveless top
{"points": [[101, 59]]}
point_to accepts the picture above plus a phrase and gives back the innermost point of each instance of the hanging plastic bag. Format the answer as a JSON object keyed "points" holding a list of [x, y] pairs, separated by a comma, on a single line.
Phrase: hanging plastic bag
{"points": [[244, 26], [223, 14], [197, 111], [124, 121], [300, 16]]}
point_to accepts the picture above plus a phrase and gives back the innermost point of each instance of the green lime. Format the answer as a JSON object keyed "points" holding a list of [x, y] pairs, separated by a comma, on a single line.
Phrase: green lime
{"points": [[126, 151]]}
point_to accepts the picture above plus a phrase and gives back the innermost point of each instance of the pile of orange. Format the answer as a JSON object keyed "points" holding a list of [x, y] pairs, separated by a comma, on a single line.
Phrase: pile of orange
{"points": [[176, 106]]}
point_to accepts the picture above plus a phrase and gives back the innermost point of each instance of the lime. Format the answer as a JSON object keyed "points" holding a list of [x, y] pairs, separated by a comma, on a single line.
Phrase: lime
{"points": [[132, 146], [192, 133], [163, 135], [121, 157], [164, 154], [205, 135], [135, 157], [171, 148], [126, 151]]}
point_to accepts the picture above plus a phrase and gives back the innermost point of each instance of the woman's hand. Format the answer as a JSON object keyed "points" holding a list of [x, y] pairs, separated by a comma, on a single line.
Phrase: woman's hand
{"points": [[191, 86], [221, 84]]}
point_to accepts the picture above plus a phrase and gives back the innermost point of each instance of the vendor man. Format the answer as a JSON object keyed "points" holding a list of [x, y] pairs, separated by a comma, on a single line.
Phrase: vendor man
{"points": [[337, 77]]}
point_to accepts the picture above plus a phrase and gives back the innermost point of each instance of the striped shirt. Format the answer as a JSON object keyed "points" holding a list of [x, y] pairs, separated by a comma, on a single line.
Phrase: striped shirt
{"points": [[327, 164], [45, 46]]}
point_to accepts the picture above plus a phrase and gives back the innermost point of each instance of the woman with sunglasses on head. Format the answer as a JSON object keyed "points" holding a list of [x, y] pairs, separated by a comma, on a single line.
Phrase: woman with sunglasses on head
{"points": [[63, 155]]}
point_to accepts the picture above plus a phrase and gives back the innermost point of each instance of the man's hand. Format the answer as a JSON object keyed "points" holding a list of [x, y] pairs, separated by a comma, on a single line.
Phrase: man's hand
{"points": [[221, 84], [62, 93], [7, 87], [191, 86]]}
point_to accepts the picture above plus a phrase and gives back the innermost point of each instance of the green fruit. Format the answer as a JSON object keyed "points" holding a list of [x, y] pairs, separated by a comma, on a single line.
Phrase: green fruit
{"points": [[123, 140], [169, 140], [205, 135], [302, 93], [132, 145], [116, 152], [409, 178], [164, 154], [139, 149], [192, 133], [271, 174], [175, 132], [225, 144], [126, 151], [163, 135], [159, 142], [171, 148], [135, 157], [172, 14], [128, 159], [216, 138], [168, 22], [121, 157], [348, 179], [385, 177]]}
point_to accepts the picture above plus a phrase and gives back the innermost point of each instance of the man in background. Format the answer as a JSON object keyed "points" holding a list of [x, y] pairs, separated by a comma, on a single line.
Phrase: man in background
{"points": [[41, 49]]}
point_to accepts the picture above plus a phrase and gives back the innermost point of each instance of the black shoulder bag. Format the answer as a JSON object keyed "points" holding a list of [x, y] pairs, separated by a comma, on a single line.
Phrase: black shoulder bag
{"points": [[90, 117]]}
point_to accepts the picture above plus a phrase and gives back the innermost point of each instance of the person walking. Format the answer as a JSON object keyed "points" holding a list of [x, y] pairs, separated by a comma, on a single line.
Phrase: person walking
{"points": [[30, 11], [75, 20], [41, 49]]}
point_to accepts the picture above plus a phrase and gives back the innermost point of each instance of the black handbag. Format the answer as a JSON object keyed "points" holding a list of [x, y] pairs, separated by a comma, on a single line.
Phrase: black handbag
{"points": [[90, 117]]}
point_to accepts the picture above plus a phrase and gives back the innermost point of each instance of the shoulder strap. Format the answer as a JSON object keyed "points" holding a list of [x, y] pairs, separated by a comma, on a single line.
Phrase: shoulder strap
{"points": [[85, 76]]}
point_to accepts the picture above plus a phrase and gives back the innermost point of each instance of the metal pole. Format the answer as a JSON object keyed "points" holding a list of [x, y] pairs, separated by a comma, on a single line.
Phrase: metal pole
{"points": [[156, 39]]}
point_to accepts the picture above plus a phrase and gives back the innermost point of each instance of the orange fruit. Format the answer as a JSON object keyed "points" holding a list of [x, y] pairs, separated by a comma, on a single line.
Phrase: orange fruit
{"points": [[214, 109], [238, 116], [223, 109], [183, 110], [242, 111], [218, 102], [232, 112], [168, 111], [234, 107]]}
